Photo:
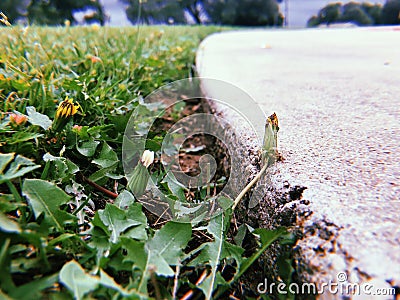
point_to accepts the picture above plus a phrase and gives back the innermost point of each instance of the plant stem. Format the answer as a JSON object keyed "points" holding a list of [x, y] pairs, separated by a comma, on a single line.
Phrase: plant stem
{"points": [[45, 170], [14, 191], [19, 199], [208, 179], [100, 188], [176, 281], [247, 188], [153, 279]]}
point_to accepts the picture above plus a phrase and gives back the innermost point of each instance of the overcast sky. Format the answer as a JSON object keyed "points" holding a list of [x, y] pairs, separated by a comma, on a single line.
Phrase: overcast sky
{"points": [[299, 10], [116, 10]]}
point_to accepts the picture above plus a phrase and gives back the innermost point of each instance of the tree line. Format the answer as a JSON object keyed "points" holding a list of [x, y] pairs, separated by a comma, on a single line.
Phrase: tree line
{"points": [[222, 12], [52, 12], [361, 14]]}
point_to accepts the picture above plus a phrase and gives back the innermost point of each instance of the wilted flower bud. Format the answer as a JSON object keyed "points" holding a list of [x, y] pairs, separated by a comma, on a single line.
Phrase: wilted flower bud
{"points": [[95, 59], [270, 144], [140, 176], [16, 119], [147, 158], [76, 128]]}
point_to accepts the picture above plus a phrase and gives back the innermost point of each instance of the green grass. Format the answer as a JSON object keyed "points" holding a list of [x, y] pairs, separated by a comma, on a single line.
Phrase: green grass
{"points": [[59, 237], [106, 70], [40, 66]]}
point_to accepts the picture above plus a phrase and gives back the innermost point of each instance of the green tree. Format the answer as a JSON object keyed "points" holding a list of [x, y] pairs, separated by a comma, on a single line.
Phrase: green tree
{"points": [[391, 12], [227, 12], [363, 14], [330, 13], [155, 12], [13, 9], [374, 11], [194, 8], [244, 12], [313, 21], [55, 12], [353, 12]]}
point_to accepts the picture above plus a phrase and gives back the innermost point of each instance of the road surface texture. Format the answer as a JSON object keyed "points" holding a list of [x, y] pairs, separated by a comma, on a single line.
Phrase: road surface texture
{"points": [[337, 95]]}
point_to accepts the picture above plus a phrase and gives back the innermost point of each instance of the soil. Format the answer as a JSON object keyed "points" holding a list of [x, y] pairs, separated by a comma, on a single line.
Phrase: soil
{"points": [[196, 146]]}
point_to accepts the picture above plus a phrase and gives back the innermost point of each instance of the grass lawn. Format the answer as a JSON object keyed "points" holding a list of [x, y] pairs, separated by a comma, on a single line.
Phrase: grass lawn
{"points": [[66, 97]]}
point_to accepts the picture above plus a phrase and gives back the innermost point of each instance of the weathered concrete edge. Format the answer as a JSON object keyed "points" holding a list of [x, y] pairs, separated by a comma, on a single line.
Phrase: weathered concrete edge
{"points": [[274, 209], [319, 256]]}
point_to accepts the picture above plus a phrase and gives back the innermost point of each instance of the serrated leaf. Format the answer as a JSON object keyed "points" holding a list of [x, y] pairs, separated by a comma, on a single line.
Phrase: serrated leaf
{"points": [[61, 168], [175, 186], [107, 157], [99, 241], [8, 225], [5, 159], [6, 282], [157, 263], [75, 279], [170, 240], [46, 198], [267, 237], [38, 119], [240, 235], [17, 168], [211, 253], [137, 232], [22, 136], [100, 174], [8, 203], [232, 251], [124, 200], [135, 212], [88, 148], [20, 166], [136, 252], [97, 222], [224, 202], [117, 221], [108, 281], [25, 292], [3, 296], [164, 249], [219, 280]]}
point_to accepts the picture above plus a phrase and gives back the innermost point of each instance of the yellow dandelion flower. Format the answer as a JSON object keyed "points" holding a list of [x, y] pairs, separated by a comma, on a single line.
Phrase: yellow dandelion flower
{"points": [[65, 110]]}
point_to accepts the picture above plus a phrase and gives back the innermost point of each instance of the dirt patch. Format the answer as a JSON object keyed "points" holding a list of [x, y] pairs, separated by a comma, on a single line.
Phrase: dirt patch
{"points": [[195, 146]]}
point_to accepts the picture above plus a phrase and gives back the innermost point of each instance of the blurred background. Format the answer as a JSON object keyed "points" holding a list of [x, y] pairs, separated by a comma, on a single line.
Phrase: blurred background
{"points": [[291, 13]]}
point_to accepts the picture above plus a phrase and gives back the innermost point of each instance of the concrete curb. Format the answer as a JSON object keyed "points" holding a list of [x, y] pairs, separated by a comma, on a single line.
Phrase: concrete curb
{"points": [[332, 244]]}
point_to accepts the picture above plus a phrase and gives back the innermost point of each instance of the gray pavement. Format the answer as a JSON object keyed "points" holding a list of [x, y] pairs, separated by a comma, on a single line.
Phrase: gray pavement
{"points": [[337, 95]]}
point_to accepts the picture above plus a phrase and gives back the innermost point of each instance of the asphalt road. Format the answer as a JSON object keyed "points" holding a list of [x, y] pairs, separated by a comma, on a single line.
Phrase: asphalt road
{"points": [[337, 95]]}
